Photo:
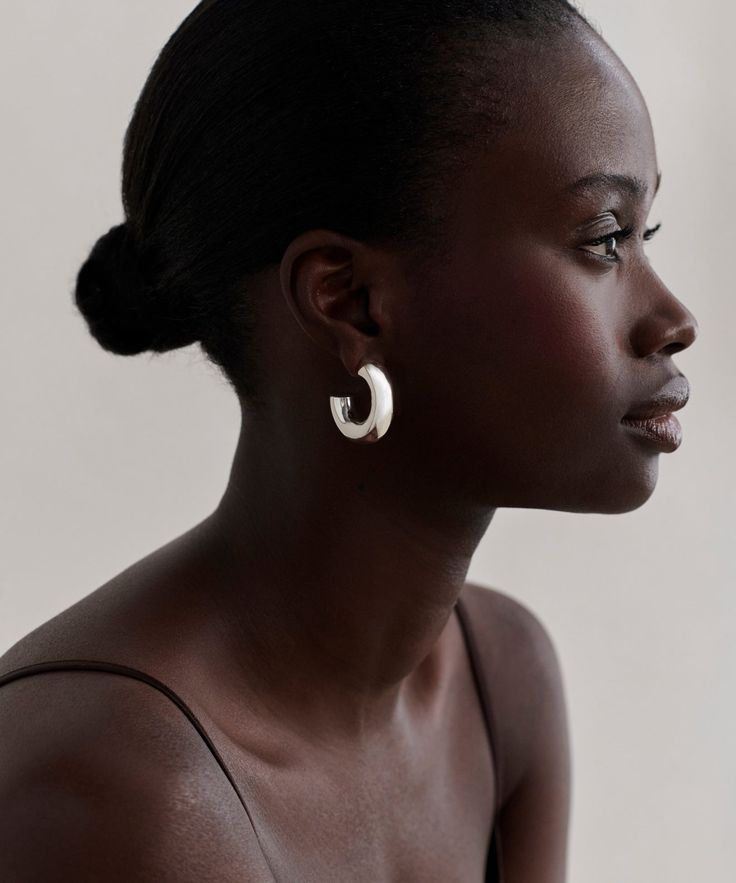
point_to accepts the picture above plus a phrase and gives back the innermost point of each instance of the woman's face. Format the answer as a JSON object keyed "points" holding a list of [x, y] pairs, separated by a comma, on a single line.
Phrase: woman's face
{"points": [[529, 343]]}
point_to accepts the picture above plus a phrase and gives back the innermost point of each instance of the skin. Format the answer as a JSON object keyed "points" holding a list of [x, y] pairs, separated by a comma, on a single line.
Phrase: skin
{"points": [[309, 619]]}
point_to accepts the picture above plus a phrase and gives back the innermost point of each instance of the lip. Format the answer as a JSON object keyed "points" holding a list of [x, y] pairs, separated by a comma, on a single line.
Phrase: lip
{"points": [[653, 419], [664, 430], [671, 397]]}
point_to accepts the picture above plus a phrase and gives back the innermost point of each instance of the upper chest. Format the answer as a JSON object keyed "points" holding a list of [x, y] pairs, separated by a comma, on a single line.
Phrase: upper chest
{"points": [[377, 824], [413, 811]]}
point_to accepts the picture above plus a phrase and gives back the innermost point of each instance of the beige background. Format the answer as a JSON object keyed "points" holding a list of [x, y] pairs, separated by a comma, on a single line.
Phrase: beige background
{"points": [[105, 458]]}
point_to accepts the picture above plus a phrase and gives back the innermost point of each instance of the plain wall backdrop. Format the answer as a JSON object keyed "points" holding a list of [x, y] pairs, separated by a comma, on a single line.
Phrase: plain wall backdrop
{"points": [[105, 458]]}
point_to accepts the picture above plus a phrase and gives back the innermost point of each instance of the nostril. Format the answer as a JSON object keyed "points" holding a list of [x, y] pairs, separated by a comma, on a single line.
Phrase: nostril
{"points": [[673, 348]]}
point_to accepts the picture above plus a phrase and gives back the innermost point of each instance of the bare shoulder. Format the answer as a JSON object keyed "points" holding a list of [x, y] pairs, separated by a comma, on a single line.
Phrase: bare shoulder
{"points": [[102, 778], [510, 631], [522, 668]]}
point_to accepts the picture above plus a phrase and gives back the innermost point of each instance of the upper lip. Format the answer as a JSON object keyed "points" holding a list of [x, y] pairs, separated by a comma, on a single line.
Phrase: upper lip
{"points": [[671, 397]]}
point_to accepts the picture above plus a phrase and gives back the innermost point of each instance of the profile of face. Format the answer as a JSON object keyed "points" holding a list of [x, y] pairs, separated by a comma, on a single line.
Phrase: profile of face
{"points": [[542, 330], [515, 357]]}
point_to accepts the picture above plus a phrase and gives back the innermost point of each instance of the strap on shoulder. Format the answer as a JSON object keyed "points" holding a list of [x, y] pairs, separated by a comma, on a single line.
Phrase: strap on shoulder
{"points": [[127, 671], [494, 864]]}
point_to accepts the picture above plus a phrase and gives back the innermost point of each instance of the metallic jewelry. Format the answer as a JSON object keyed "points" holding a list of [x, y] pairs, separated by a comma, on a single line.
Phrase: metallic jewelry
{"points": [[382, 407]]}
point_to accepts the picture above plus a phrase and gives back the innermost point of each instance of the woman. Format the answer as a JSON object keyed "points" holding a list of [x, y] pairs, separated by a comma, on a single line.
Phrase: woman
{"points": [[412, 237]]}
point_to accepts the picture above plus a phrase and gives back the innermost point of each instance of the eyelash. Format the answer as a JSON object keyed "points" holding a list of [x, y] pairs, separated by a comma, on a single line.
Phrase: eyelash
{"points": [[619, 235]]}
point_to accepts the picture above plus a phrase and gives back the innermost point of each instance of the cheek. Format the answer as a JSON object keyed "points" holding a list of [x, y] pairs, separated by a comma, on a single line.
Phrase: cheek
{"points": [[557, 342], [520, 361], [542, 339]]}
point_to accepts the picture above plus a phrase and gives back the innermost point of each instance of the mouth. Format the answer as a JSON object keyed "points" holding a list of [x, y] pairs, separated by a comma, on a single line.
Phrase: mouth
{"points": [[653, 419]]}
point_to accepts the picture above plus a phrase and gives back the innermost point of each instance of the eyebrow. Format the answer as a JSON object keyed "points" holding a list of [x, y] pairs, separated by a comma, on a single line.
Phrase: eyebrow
{"points": [[606, 182]]}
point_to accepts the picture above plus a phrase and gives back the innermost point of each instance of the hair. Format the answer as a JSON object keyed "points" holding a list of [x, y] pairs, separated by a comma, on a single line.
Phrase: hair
{"points": [[261, 119]]}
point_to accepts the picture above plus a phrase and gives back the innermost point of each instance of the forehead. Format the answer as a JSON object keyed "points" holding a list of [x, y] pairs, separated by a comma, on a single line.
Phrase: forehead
{"points": [[574, 112]]}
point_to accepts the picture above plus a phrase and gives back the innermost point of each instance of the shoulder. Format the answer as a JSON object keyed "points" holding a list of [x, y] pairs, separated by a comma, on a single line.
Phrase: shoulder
{"points": [[509, 631], [102, 777], [496, 607], [142, 616], [524, 674], [522, 669]]}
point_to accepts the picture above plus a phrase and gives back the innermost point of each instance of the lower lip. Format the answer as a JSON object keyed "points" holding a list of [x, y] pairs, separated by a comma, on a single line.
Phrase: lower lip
{"points": [[664, 431]]}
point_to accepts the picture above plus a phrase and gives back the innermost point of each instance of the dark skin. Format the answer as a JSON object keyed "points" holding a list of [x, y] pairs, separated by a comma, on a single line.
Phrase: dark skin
{"points": [[309, 619]]}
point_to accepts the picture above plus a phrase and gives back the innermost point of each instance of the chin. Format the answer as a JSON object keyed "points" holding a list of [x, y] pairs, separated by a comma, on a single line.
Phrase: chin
{"points": [[623, 491], [613, 487]]}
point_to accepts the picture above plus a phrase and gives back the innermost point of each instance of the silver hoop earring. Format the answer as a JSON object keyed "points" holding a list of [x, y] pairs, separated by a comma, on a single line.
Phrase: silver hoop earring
{"points": [[382, 407]]}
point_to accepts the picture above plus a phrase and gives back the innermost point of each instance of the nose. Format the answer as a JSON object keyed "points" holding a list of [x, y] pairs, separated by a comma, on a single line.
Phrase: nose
{"points": [[665, 325]]}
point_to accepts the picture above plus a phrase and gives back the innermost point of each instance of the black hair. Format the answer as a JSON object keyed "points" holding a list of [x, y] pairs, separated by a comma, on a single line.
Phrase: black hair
{"points": [[261, 119]]}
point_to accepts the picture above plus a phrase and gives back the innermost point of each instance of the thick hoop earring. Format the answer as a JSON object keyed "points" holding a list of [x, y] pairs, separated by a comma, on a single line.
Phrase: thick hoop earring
{"points": [[382, 407]]}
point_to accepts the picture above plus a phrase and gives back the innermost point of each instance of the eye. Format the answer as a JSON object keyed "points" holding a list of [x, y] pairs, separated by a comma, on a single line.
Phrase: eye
{"points": [[607, 244]]}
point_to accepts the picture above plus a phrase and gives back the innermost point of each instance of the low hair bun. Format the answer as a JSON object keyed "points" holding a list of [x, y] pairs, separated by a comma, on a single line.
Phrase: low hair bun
{"points": [[125, 313], [109, 295]]}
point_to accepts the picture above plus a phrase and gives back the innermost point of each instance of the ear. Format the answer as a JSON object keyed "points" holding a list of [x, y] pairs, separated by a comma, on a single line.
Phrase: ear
{"points": [[332, 286]]}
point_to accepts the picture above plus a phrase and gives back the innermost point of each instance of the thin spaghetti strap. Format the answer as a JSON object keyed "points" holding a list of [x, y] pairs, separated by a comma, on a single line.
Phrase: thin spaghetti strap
{"points": [[494, 867], [483, 693], [127, 671]]}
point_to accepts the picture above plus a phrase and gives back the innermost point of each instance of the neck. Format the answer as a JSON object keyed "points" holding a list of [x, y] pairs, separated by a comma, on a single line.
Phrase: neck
{"points": [[336, 579]]}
